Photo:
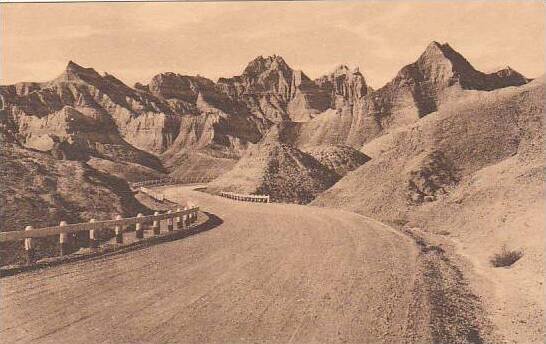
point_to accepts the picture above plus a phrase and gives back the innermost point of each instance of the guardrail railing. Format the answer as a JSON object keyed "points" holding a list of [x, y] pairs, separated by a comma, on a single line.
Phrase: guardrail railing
{"points": [[171, 180], [246, 198], [177, 219]]}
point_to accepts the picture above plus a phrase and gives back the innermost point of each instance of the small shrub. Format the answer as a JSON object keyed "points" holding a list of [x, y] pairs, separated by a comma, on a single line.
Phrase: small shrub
{"points": [[400, 222], [506, 257]]}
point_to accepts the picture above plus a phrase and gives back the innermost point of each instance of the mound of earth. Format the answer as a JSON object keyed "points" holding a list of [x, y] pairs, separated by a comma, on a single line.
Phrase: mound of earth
{"points": [[38, 190], [473, 172], [340, 159], [279, 170]]}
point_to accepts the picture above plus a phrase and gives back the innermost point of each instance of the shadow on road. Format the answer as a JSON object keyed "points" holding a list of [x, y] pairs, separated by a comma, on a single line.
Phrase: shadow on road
{"points": [[212, 221]]}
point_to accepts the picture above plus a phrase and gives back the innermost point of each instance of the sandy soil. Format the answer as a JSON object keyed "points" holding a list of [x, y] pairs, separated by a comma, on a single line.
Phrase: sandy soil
{"points": [[269, 273]]}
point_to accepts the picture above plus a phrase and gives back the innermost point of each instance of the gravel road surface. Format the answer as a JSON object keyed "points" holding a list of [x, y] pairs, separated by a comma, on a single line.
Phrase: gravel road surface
{"points": [[267, 273]]}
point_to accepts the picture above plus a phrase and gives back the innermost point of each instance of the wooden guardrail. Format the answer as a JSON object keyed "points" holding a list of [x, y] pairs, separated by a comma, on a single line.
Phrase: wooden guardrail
{"points": [[178, 219], [170, 181], [246, 198]]}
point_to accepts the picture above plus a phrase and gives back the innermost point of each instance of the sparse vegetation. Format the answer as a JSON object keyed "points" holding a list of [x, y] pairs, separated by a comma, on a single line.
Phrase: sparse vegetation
{"points": [[400, 222], [506, 257]]}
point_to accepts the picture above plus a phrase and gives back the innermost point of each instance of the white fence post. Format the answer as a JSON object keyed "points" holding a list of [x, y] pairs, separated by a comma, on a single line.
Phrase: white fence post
{"points": [[63, 240], [156, 225], [139, 230], [29, 248], [186, 218], [93, 237], [177, 220], [118, 229], [170, 221]]}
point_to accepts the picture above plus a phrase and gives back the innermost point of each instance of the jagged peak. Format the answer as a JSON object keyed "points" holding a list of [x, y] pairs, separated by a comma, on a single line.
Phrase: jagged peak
{"points": [[434, 45], [73, 67], [165, 76], [345, 70], [442, 54], [435, 49], [74, 71], [261, 64], [270, 59], [340, 70], [176, 76]]}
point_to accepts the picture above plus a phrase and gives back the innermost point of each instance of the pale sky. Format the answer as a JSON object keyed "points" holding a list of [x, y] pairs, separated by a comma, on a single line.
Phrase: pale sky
{"points": [[135, 41]]}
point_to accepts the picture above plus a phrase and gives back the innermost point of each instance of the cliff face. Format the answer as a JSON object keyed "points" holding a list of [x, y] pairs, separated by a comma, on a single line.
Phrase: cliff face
{"points": [[275, 92], [82, 114], [344, 85], [210, 118]]}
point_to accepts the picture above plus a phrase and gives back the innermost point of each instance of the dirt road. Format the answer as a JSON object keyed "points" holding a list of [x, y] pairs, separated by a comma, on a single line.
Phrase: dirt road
{"points": [[269, 273]]}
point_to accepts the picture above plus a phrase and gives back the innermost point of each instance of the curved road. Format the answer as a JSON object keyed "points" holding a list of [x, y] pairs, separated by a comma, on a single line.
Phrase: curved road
{"points": [[270, 273]]}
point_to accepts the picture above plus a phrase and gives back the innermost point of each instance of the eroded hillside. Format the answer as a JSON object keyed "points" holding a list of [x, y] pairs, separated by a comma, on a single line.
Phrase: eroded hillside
{"points": [[473, 173], [38, 190]]}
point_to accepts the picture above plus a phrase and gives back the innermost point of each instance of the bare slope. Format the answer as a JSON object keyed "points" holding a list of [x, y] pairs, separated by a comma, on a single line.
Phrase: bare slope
{"points": [[128, 171], [203, 164], [472, 171], [38, 190]]}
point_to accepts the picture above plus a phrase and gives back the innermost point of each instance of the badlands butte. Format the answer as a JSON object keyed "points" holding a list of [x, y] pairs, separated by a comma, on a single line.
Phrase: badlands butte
{"points": [[449, 155]]}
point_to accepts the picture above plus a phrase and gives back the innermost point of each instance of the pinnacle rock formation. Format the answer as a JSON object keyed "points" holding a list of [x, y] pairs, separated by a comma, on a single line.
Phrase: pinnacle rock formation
{"points": [[437, 77], [438, 73], [274, 91], [344, 83], [179, 120]]}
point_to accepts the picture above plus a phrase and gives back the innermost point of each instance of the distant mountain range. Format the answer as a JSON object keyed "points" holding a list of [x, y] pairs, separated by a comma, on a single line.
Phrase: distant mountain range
{"points": [[87, 114]]}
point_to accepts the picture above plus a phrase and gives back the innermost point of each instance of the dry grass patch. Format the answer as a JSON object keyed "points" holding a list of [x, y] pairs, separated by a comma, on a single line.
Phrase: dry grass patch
{"points": [[506, 257]]}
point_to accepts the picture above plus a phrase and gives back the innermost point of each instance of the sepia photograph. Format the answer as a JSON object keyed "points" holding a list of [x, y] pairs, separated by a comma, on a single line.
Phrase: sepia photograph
{"points": [[273, 172]]}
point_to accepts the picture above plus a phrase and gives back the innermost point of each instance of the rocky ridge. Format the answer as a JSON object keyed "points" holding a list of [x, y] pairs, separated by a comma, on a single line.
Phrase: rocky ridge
{"points": [[82, 114]]}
